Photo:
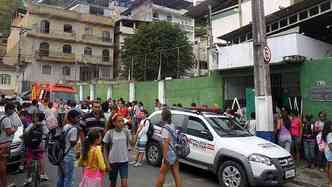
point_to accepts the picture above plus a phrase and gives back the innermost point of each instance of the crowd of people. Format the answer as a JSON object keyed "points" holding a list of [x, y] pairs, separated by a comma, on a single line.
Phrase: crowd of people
{"points": [[100, 135], [302, 137], [97, 135], [306, 138]]}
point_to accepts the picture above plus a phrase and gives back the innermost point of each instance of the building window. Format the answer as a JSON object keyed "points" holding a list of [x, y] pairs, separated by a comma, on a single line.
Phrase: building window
{"points": [[88, 30], [66, 71], [89, 73], [106, 55], [45, 26], [66, 49], [96, 11], [87, 51], [44, 49], [5, 79], [106, 36], [68, 28], [46, 69], [155, 15], [106, 73], [104, 3], [169, 18]]}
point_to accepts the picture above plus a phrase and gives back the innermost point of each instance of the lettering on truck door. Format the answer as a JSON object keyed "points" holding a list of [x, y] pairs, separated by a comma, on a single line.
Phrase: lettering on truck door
{"points": [[202, 146]]}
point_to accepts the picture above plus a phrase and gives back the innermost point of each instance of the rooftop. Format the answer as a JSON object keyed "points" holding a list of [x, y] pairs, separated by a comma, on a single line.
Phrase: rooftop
{"points": [[202, 9], [316, 12], [61, 13], [173, 4]]}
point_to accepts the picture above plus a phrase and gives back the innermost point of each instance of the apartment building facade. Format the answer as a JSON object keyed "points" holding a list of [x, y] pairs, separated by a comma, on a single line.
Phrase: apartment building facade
{"points": [[58, 45], [172, 11]]}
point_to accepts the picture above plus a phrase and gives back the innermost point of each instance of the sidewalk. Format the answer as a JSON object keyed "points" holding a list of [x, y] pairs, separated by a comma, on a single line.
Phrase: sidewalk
{"points": [[310, 177]]}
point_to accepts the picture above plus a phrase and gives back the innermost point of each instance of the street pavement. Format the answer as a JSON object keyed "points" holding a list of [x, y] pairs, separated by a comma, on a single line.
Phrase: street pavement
{"points": [[140, 177]]}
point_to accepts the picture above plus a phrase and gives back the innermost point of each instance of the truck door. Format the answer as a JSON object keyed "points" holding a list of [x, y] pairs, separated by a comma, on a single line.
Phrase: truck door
{"points": [[201, 141]]}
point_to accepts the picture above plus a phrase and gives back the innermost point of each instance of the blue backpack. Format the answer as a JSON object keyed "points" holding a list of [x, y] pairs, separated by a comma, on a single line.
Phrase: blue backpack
{"points": [[180, 143]]}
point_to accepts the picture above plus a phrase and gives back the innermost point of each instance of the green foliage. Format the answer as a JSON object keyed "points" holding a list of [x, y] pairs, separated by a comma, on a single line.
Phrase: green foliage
{"points": [[7, 10], [142, 50]]}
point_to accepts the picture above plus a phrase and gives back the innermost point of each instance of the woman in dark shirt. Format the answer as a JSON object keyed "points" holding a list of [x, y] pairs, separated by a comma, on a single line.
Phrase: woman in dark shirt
{"points": [[308, 140]]}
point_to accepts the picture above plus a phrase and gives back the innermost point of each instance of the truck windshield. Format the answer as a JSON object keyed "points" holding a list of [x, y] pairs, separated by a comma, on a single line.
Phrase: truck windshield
{"points": [[227, 127], [65, 96]]}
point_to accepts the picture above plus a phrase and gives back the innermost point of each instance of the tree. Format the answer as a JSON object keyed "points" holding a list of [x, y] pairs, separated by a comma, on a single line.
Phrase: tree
{"points": [[155, 43], [7, 9]]}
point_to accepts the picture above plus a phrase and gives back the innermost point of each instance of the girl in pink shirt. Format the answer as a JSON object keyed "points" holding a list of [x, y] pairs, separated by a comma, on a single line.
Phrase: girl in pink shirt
{"points": [[296, 132]]}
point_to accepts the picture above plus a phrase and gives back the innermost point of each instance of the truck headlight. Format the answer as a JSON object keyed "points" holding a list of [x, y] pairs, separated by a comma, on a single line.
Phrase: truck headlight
{"points": [[260, 159]]}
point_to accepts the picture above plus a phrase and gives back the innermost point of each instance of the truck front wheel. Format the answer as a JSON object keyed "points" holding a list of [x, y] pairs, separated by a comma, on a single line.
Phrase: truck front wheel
{"points": [[232, 174]]}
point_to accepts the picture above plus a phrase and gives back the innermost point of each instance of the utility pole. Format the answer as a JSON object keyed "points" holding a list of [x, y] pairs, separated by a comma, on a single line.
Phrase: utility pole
{"points": [[263, 98], [20, 66], [210, 39], [177, 63], [132, 69], [240, 13], [159, 70], [145, 67]]}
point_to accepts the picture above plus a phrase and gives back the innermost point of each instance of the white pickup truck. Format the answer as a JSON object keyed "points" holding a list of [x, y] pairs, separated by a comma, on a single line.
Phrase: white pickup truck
{"points": [[220, 145]]}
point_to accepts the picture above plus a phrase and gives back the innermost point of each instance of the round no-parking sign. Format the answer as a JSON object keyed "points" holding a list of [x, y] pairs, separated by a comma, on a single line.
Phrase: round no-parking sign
{"points": [[267, 54]]}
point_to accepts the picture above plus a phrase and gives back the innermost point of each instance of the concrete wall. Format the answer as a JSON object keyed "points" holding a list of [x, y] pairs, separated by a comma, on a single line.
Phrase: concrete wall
{"points": [[146, 92], [228, 21], [313, 72], [33, 72], [297, 44], [203, 90], [120, 90], [143, 12]]}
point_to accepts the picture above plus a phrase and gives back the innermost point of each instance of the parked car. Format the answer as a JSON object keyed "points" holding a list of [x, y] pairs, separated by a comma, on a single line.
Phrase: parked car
{"points": [[219, 144], [16, 155], [16, 148]]}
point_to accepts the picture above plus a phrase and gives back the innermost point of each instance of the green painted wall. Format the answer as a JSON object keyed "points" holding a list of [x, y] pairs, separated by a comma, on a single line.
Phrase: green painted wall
{"points": [[101, 91], [147, 92], [203, 90], [86, 91], [311, 72], [120, 90]]}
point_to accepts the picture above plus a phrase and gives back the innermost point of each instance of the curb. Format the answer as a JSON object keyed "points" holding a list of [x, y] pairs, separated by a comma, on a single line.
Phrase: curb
{"points": [[306, 184]]}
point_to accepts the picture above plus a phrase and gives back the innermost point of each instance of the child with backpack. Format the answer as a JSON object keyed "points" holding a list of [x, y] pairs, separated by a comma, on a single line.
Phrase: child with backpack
{"points": [[70, 134], [92, 160], [170, 161], [32, 138], [116, 143], [142, 138]]}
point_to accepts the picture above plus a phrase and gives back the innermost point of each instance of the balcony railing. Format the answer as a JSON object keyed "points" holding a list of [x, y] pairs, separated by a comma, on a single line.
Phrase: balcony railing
{"points": [[46, 55], [94, 38], [89, 59], [58, 34]]}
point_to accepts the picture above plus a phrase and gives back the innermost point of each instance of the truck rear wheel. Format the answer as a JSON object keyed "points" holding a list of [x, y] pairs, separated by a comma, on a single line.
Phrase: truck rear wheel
{"points": [[232, 174]]}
